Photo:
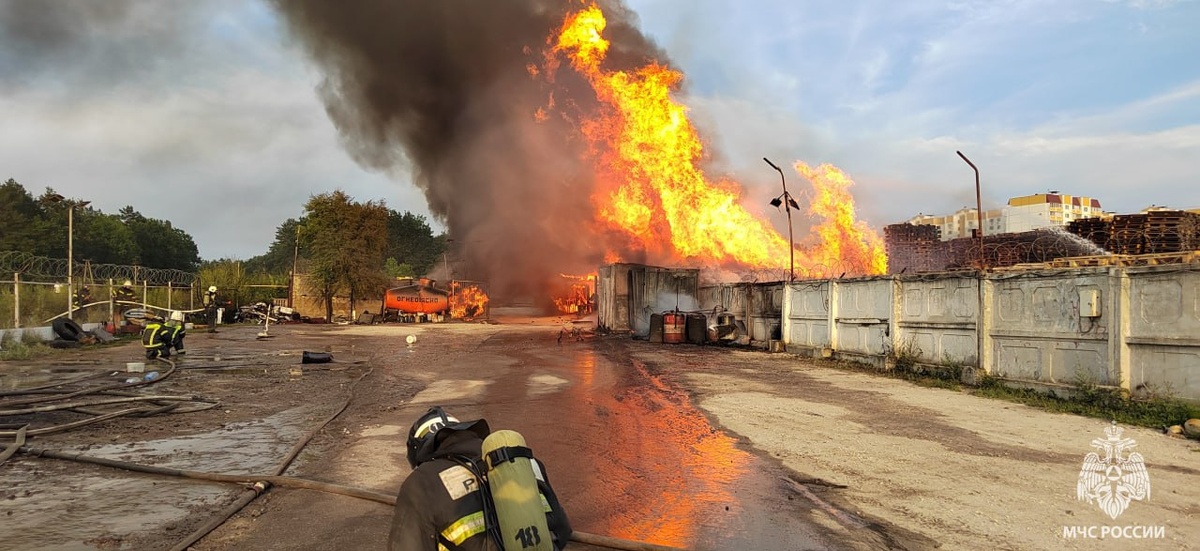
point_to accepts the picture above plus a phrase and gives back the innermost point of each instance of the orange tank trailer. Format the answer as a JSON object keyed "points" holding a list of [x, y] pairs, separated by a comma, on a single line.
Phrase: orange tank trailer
{"points": [[416, 299]]}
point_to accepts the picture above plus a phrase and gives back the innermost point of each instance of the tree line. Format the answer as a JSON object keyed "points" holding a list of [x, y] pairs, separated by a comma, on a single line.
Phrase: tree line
{"points": [[38, 225], [345, 247]]}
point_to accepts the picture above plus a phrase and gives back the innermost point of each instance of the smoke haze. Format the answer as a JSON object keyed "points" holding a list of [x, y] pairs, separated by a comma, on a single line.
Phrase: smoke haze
{"points": [[442, 91]]}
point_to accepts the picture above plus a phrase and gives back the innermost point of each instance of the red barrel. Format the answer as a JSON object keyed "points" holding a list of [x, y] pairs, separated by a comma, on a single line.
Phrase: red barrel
{"points": [[673, 326]]}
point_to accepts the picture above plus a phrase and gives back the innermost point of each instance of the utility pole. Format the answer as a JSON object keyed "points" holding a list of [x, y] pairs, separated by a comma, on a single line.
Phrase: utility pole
{"points": [[295, 256], [56, 198]]}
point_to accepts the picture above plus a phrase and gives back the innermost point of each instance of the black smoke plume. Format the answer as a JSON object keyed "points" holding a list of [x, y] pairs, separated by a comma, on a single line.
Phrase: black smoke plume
{"points": [[441, 90]]}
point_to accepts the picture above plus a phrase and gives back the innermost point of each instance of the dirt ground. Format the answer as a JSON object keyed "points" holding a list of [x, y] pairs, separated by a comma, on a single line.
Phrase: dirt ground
{"points": [[786, 453]]}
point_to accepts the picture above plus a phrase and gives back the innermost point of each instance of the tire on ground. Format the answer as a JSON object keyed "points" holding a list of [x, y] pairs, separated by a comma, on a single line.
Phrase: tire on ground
{"points": [[67, 329]]}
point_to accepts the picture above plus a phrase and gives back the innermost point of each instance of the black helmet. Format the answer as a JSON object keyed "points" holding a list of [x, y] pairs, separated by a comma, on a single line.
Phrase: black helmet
{"points": [[428, 430]]}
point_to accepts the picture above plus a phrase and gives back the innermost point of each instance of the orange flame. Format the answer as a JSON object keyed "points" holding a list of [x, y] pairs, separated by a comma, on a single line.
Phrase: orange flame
{"points": [[650, 187], [466, 300], [578, 299]]}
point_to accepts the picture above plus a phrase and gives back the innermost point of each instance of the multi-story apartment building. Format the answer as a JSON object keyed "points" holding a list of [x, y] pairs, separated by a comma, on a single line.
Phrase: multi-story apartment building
{"points": [[1022, 214], [962, 223], [1043, 210]]}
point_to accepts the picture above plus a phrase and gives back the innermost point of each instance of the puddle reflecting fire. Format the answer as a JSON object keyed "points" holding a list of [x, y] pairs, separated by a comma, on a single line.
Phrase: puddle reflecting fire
{"points": [[672, 473]]}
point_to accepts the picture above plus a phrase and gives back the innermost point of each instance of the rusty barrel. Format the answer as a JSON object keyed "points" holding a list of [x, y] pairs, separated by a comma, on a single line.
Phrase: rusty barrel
{"points": [[673, 327]]}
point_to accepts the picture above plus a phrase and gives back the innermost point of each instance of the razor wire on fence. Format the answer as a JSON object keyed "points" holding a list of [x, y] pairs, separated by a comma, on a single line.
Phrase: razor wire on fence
{"points": [[30, 266], [37, 293]]}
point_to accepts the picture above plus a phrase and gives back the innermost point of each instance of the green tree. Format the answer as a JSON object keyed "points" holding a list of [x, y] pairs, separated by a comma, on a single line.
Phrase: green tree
{"points": [[23, 225], [103, 238], [346, 242], [396, 270], [411, 241], [278, 258], [160, 245]]}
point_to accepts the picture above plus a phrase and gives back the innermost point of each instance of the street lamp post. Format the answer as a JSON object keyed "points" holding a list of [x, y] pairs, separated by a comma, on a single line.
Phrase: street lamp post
{"points": [[56, 198], [788, 205], [978, 210]]}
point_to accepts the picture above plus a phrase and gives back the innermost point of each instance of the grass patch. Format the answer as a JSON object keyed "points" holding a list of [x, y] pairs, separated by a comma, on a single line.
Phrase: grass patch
{"points": [[906, 365], [1089, 400], [1155, 410], [19, 350]]}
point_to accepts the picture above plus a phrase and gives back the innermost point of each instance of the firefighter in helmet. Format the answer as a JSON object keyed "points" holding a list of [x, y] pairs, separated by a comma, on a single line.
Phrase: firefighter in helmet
{"points": [[175, 332], [123, 298], [125, 294], [210, 308], [156, 339], [443, 504]]}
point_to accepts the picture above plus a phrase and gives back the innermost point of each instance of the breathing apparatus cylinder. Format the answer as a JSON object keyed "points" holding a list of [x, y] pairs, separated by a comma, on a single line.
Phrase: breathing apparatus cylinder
{"points": [[514, 489]]}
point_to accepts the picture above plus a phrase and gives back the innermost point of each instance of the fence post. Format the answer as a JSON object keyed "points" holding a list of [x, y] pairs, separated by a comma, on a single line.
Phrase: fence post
{"points": [[145, 295], [833, 314], [112, 304], [17, 300], [987, 299], [169, 295]]}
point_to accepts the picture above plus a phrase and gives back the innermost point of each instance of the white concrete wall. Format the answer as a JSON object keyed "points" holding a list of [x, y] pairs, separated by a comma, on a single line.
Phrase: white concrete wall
{"points": [[1038, 332], [1163, 337], [806, 315], [938, 319], [864, 313], [1137, 328]]}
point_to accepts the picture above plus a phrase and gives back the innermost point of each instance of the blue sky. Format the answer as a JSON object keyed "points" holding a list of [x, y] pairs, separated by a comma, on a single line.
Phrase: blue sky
{"points": [[204, 113]]}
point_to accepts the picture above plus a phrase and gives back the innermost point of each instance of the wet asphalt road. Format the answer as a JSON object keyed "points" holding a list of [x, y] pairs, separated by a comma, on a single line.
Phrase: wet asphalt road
{"points": [[629, 456]]}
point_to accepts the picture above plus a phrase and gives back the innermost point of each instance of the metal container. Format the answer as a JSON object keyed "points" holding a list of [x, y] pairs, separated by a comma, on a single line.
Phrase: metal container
{"points": [[674, 324], [694, 328], [135, 367], [416, 299], [656, 328]]}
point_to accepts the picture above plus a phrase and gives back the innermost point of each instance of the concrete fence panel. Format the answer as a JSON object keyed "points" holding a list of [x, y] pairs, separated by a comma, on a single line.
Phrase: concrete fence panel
{"points": [[806, 315], [864, 312], [938, 320], [1053, 329], [1163, 339]]}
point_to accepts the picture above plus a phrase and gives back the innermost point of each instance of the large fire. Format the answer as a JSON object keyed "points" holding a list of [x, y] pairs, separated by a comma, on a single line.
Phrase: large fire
{"points": [[467, 300], [578, 298], [650, 187]]}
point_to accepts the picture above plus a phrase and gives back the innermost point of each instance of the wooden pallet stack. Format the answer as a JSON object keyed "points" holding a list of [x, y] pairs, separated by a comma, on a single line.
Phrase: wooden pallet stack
{"points": [[1127, 234], [1096, 230], [1170, 231], [913, 248]]}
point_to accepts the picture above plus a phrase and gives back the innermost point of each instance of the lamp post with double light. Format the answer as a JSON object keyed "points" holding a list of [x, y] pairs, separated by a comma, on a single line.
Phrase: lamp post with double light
{"points": [[788, 204]]}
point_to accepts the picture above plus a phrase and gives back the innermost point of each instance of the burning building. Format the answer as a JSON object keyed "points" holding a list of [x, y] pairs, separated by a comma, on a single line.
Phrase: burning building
{"points": [[549, 137]]}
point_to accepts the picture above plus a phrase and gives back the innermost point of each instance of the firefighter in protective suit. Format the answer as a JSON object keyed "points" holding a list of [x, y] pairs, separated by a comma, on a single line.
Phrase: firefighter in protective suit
{"points": [[156, 339], [444, 504], [210, 308], [175, 331]]}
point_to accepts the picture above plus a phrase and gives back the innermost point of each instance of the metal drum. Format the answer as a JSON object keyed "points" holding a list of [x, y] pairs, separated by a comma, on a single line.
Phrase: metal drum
{"points": [[674, 324]]}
